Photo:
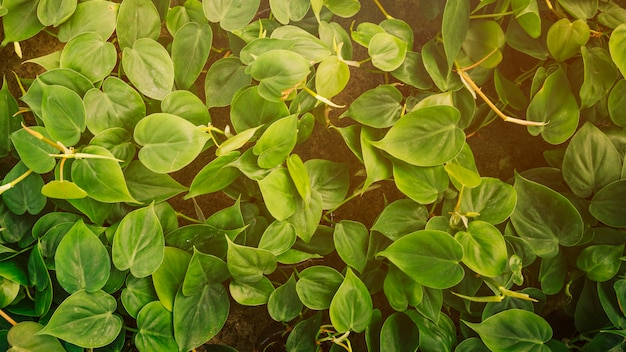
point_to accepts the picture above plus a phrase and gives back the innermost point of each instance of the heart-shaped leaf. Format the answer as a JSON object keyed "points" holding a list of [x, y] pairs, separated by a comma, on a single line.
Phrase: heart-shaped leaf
{"points": [[149, 67], [85, 319], [484, 249], [425, 254], [609, 204], [565, 38], [102, 56], [190, 51], [351, 307], [431, 130], [139, 227], [156, 328], [137, 19]]}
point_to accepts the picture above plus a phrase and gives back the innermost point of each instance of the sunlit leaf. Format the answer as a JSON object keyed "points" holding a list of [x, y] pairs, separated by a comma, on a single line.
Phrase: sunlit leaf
{"points": [[149, 67]]}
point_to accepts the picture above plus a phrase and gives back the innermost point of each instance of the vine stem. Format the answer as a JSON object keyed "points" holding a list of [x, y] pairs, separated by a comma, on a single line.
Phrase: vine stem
{"points": [[491, 15], [7, 318], [12, 184], [468, 80], [382, 9]]}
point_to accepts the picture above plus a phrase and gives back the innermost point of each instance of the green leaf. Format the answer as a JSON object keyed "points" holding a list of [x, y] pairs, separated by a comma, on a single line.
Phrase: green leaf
{"points": [[343, 8], [351, 308], [493, 200], [23, 337], [331, 77], [303, 337], [237, 141], [600, 74], [600, 262], [190, 51], [21, 21], [617, 103], [351, 241], [484, 249], [156, 328], [399, 333], [149, 67], [552, 273], [278, 72], [199, 317], [483, 41], [508, 92], [9, 290], [292, 10], [413, 72], [616, 44], [55, 12], [248, 264], [514, 329], [33, 152], [203, 270], [178, 16], [329, 179], [276, 142], [310, 47], [425, 254], [454, 27], [102, 56], [137, 19], [169, 142], [387, 51], [81, 260], [555, 105], [231, 14], [580, 9], [317, 286], [432, 129], [400, 218], [307, 216], [284, 304], [249, 110], [527, 15], [462, 169], [116, 105], [139, 227], [102, 179], [215, 176], [251, 293], [278, 237], [85, 319], [63, 113], [92, 16], [608, 205], [545, 230], [279, 193], [421, 184], [8, 122], [137, 294], [170, 275], [364, 33], [187, 105], [591, 161], [565, 38], [118, 141], [378, 107], [400, 290], [147, 186], [223, 79], [26, 195]]}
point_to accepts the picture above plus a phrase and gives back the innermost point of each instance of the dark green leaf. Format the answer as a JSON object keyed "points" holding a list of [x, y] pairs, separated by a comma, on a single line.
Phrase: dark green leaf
{"points": [[545, 230], [317, 285], [284, 304], [223, 79], [248, 264], [608, 205], [379, 107], [116, 105], [351, 241], [600, 262], [156, 329], [170, 275]]}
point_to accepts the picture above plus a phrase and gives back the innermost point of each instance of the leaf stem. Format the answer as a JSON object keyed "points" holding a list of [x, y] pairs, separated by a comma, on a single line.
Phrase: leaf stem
{"points": [[321, 98], [12, 184], [128, 328], [493, 107], [7, 318], [382, 9], [491, 15]]}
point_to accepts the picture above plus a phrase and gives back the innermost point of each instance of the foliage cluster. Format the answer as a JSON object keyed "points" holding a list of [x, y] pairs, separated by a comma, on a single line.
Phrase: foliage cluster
{"points": [[93, 256]]}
